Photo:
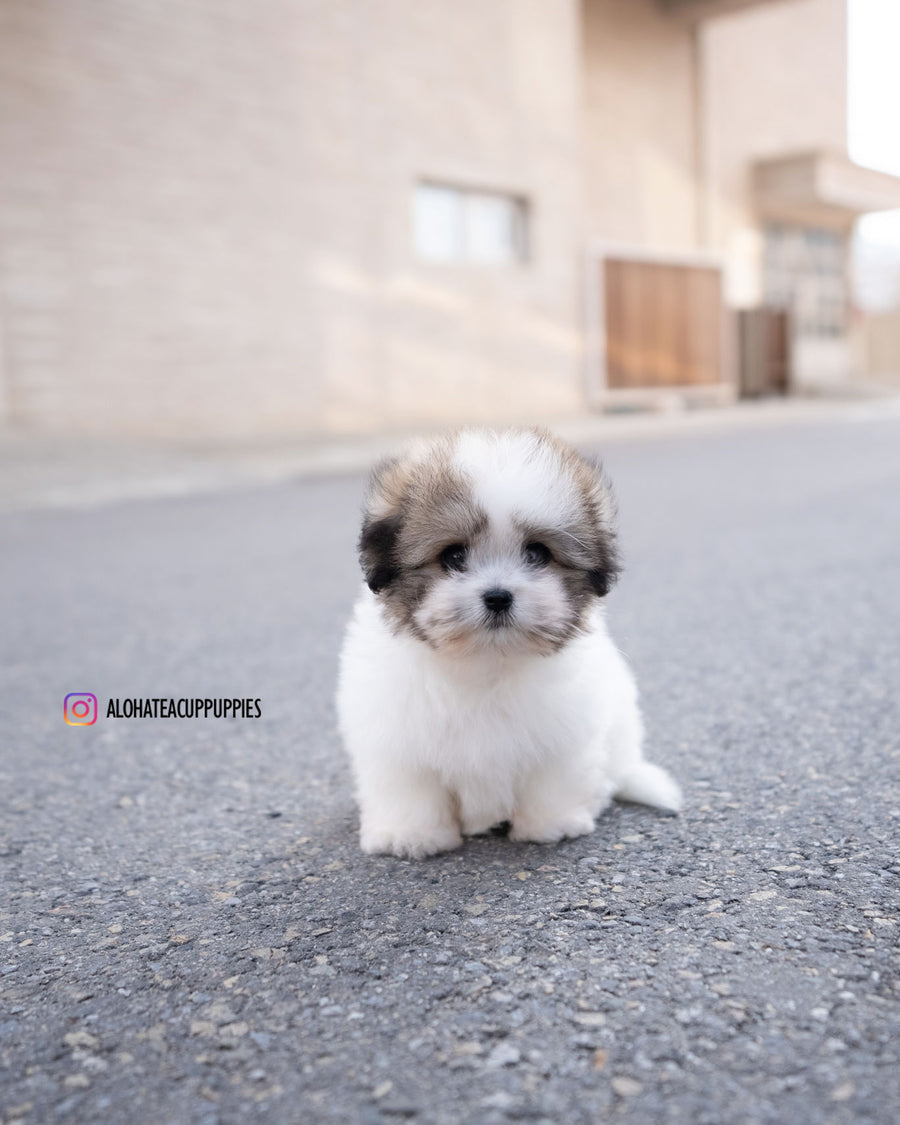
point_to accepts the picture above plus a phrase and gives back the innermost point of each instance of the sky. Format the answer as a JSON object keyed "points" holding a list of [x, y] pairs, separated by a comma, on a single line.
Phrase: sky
{"points": [[874, 100]]}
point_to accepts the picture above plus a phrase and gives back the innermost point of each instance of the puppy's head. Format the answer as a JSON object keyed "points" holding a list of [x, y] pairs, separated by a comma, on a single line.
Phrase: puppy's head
{"points": [[489, 540]]}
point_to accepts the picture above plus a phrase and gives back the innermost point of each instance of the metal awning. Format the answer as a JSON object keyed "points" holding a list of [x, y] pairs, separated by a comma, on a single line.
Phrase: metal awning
{"points": [[692, 11], [822, 189]]}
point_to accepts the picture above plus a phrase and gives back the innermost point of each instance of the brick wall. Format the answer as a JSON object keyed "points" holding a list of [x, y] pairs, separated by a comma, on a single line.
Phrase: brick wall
{"points": [[639, 125], [205, 213]]}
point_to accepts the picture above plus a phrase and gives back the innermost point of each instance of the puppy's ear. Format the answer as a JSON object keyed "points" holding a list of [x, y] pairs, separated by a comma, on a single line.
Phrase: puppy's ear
{"points": [[601, 513], [381, 526], [377, 546], [603, 577]]}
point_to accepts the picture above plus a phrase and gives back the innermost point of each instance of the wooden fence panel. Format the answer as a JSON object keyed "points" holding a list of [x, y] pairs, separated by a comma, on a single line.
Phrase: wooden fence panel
{"points": [[663, 324]]}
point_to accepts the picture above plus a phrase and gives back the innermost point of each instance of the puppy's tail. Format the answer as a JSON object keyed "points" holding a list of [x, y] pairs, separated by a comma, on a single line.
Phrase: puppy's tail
{"points": [[646, 784]]}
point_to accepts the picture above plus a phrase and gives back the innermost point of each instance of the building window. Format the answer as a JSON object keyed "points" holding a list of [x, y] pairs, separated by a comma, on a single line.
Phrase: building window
{"points": [[452, 224], [805, 273]]}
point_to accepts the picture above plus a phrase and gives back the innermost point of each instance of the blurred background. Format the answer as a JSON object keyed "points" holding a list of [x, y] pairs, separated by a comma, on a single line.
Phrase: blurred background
{"points": [[311, 218]]}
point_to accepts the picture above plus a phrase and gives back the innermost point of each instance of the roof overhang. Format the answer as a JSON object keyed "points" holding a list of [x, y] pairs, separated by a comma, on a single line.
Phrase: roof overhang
{"points": [[693, 11], [821, 189]]}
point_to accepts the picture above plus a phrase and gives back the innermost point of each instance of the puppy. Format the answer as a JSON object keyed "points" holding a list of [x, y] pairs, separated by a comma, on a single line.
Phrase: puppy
{"points": [[478, 683]]}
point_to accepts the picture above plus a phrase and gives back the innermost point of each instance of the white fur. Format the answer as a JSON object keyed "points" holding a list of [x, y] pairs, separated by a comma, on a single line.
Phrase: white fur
{"points": [[515, 473], [443, 746]]}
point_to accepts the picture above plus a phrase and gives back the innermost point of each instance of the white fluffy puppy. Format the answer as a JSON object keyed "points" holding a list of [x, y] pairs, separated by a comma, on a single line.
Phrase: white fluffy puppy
{"points": [[478, 682]]}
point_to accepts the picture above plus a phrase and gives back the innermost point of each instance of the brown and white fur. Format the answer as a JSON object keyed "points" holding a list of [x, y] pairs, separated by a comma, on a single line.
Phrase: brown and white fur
{"points": [[478, 682]]}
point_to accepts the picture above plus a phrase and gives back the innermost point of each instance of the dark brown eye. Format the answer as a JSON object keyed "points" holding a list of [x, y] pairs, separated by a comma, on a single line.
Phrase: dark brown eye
{"points": [[536, 554], [454, 557]]}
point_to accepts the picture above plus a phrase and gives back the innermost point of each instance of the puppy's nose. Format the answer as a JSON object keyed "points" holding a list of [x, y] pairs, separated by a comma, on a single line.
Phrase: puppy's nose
{"points": [[497, 600]]}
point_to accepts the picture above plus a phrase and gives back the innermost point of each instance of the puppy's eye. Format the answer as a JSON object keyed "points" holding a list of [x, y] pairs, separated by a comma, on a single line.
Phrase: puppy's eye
{"points": [[454, 557], [536, 554]]}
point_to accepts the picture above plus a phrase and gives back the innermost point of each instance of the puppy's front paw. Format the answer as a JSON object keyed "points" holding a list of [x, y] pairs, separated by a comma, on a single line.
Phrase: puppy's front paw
{"points": [[576, 822], [409, 843]]}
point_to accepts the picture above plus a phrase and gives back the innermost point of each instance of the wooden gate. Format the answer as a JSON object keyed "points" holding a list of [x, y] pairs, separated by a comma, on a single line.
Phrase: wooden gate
{"points": [[764, 351], [661, 323]]}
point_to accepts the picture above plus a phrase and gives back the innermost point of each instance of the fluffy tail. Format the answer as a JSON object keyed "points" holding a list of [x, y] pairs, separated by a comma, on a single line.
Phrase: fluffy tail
{"points": [[646, 784]]}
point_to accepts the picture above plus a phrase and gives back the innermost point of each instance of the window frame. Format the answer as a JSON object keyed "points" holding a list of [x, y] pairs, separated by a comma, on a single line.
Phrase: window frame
{"points": [[467, 196]]}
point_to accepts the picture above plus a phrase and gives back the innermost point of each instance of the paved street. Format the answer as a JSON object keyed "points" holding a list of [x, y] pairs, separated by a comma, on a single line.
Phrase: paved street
{"points": [[189, 934]]}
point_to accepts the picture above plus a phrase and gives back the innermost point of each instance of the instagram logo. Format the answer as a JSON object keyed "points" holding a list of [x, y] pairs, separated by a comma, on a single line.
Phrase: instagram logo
{"points": [[80, 709]]}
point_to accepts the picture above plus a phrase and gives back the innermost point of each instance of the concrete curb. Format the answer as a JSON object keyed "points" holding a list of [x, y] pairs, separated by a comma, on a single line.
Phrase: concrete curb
{"points": [[40, 471]]}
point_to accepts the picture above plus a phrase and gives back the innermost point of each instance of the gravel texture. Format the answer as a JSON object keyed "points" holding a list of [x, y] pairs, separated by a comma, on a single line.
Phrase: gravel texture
{"points": [[188, 932]]}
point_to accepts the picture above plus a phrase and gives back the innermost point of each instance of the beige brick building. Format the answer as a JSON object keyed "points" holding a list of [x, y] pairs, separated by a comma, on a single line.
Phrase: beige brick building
{"points": [[296, 217]]}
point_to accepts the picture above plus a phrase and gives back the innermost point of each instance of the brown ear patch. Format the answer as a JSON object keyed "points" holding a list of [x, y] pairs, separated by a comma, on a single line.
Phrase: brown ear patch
{"points": [[601, 507], [377, 551], [597, 532], [416, 504], [602, 580]]}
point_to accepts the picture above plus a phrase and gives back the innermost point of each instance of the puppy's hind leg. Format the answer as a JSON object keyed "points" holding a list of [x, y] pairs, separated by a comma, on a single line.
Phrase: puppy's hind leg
{"points": [[405, 812], [635, 778]]}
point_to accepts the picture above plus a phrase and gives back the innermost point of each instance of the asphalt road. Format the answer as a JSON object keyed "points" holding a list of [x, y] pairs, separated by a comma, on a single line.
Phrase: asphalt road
{"points": [[188, 932]]}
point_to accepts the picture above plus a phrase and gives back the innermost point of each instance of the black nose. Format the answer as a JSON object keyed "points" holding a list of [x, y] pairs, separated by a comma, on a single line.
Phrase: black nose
{"points": [[497, 600]]}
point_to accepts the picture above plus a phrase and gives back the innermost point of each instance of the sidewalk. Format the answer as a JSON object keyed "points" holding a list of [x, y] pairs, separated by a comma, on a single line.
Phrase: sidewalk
{"points": [[44, 470]]}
